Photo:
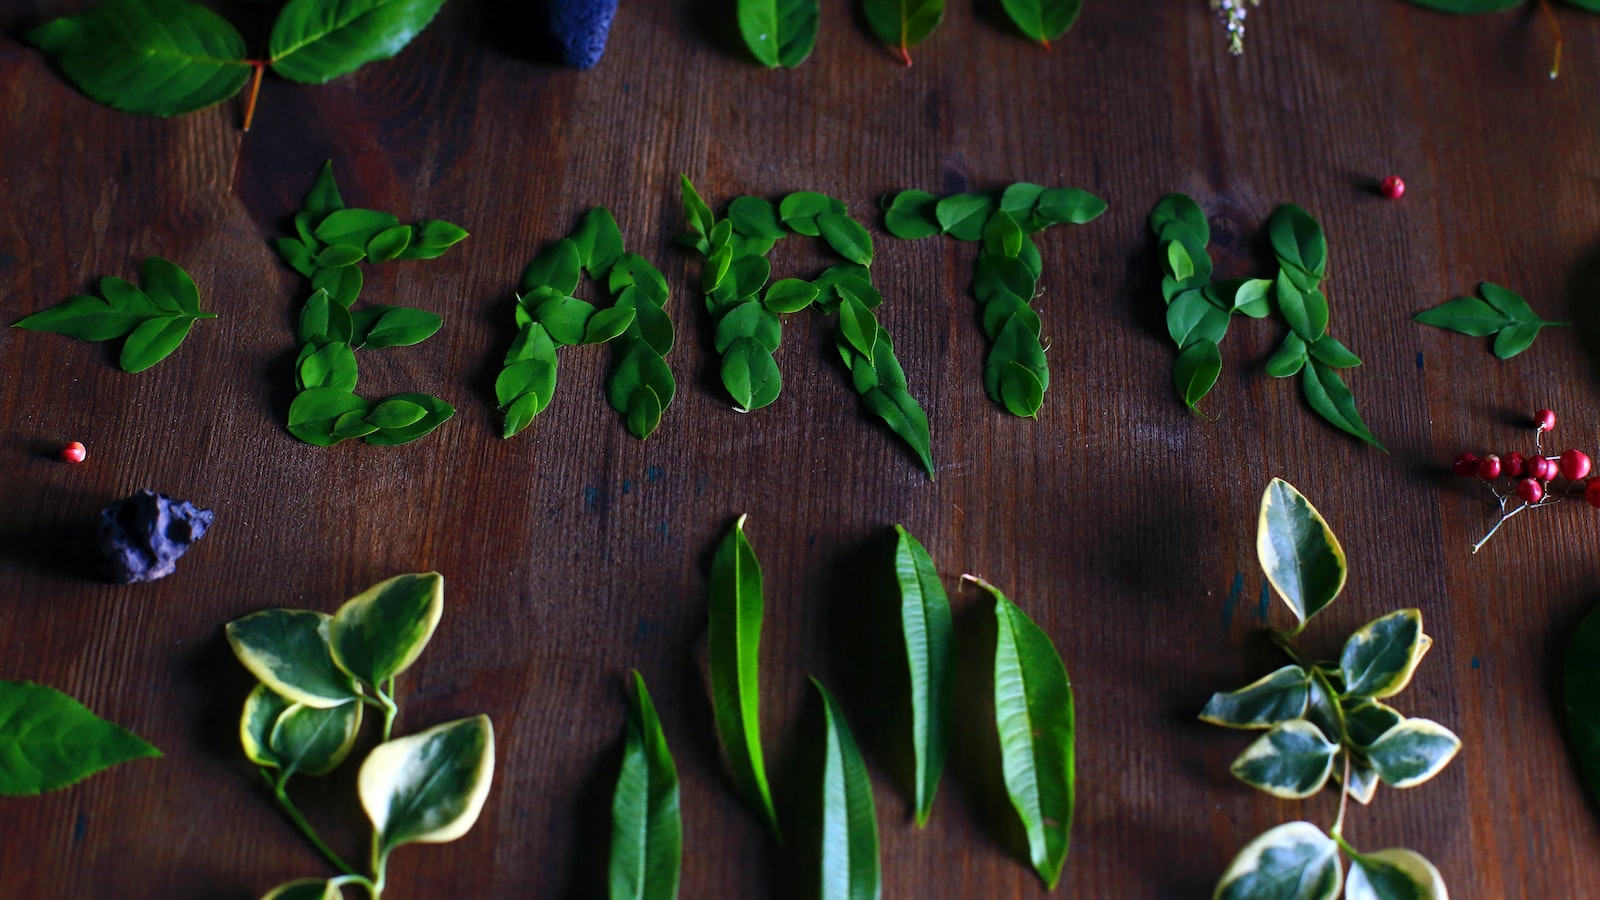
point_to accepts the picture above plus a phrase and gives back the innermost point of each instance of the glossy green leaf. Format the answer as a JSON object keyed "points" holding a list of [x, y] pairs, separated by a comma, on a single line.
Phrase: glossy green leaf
{"points": [[994, 275], [850, 867], [1393, 874], [330, 365], [315, 41], [1192, 318], [169, 287], [1002, 236], [1367, 720], [755, 217], [1363, 784], [558, 267], [696, 212], [801, 209], [1292, 760], [643, 412], [1298, 552], [734, 643], [750, 374], [396, 413], [1043, 20], [1034, 717], [48, 740], [1464, 315], [428, 787], [929, 634], [858, 327], [640, 387], [1328, 395], [599, 242], [1294, 861], [748, 320], [904, 416], [1297, 240], [1001, 308], [1196, 371], [779, 32], [312, 741], [1064, 206], [262, 708], [1305, 316], [1509, 303], [354, 228], [791, 295], [1581, 694], [1021, 390], [1290, 357], [1324, 709], [962, 216], [1514, 339], [565, 318], [288, 651], [1278, 697], [1330, 352], [314, 413], [343, 285], [338, 256], [392, 326], [324, 196], [1180, 265], [380, 632], [323, 319], [911, 214], [86, 318], [903, 24], [1378, 660], [436, 413], [432, 238], [306, 889], [1183, 216], [152, 57], [389, 244], [607, 325], [846, 236], [646, 825], [1413, 752]]}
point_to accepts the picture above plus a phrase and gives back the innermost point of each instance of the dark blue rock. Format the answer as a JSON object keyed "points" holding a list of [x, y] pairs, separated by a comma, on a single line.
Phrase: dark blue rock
{"points": [[580, 28], [141, 538]]}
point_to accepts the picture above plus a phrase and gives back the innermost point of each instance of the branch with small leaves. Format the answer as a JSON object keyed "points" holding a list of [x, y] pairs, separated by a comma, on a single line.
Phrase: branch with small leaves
{"points": [[1500, 312]]}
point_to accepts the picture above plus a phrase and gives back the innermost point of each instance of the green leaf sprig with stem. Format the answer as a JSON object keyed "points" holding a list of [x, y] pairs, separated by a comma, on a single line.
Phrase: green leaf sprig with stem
{"points": [[1006, 274], [169, 57], [548, 317], [154, 317], [1328, 721], [1500, 312], [330, 241], [317, 673], [746, 308], [48, 740]]}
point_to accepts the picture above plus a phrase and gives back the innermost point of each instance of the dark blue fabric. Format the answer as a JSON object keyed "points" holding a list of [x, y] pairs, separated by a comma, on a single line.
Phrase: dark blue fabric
{"points": [[580, 28]]}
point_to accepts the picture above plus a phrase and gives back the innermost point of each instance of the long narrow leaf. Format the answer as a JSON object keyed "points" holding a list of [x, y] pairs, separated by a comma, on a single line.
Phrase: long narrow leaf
{"points": [[646, 825], [926, 624], [850, 867], [734, 638]]}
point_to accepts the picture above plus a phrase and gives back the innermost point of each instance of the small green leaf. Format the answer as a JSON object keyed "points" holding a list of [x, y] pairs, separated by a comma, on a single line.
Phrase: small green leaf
{"points": [[995, 275], [962, 216], [380, 632], [643, 412], [324, 197], [1292, 760], [1393, 874], [607, 325], [261, 711], [846, 236], [1328, 395], [903, 24], [1413, 752], [903, 415], [1514, 339], [911, 215], [343, 285], [1464, 315], [926, 626], [48, 740], [1509, 303], [565, 318], [1377, 661], [154, 341], [1330, 352], [1179, 264], [750, 374], [1002, 236], [646, 825], [1278, 697], [1043, 20], [1294, 861], [1299, 309], [287, 649], [314, 414], [558, 267], [396, 413], [315, 41], [1181, 214], [1367, 720], [748, 320], [599, 242], [428, 787], [1297, 240], [1021, 391], [850, 867], [1065, 206], [1196, 371], [1034, 717], [1192, 318], [299, 255], [311, 741], [800, 210], [791, 295], [1253, 298], [1363, 784], [779, 32], [331, 365], [389, 244], [432, 238], [85, 318], [695, 210], [756, 217], [734, 639], [169, 287], [1290, 357], [857, 325], [375, 327], [1298, 552], [353, 228]]}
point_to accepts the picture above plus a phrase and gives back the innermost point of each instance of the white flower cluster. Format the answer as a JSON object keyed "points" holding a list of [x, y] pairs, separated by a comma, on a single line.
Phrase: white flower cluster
{"points": [[1232, 13]]}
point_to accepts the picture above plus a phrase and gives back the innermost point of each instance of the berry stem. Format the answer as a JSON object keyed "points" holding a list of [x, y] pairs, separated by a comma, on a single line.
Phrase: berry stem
{"points": [[255, 91]]}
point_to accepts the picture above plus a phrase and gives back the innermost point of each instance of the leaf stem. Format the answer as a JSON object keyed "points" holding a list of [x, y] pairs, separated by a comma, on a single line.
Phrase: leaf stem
{"points": [[1281, 640], [255, 91], [280, 791], [1555, 29], [390, 710], [1344, 799]]}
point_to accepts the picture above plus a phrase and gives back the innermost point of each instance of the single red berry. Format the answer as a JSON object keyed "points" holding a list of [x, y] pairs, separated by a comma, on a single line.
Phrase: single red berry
{"points": [[1575, 465], [74, 452], [1530, 491], [1543, 468], [1545, 419], [1515, 464], [1489, 467], [1392, 187], [1591, 492], [1466, 465]]}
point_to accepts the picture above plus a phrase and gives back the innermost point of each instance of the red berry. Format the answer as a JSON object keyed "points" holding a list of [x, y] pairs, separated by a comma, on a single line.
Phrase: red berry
{"points": [[1392, 187], [1466, 465], [1515, 464], [1591, 492], [1543, 468], [1530, 491], [1489, 467], [74, 452], [1545, 419], [1575, 465]]}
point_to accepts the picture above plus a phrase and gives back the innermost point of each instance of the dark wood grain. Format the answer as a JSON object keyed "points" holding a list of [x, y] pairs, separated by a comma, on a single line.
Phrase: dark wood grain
{"points": [[573, 552]]}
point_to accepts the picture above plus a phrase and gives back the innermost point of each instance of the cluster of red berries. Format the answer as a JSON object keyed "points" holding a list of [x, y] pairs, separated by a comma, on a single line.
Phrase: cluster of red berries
{"points": [[1530, 476]]}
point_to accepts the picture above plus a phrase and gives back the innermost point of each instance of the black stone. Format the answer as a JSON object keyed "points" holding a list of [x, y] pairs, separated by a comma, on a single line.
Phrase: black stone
{"points": [[141, 538]]}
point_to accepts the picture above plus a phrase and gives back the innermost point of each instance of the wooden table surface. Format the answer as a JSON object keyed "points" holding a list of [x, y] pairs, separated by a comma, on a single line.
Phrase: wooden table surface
{"points": [[574, 552]]}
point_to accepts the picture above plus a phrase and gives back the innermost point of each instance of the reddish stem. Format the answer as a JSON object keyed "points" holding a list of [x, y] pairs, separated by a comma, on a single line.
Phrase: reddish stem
{"points": [[905, 55], [255, 91], [1555, 29]]}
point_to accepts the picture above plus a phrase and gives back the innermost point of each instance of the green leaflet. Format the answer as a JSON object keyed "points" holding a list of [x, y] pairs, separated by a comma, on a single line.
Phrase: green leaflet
{"points": [[1393, 874], [156, 318], [1581, 693], [1298, 242], [646, 826], [48, 740], [1412, 752], [1298, 551], [1378, 660], [850, 867], [779, 32], [1278, 697], [380, 632], [734, 638], [911, 215], [1328, 395], [903, 24], [926, 626], [315, 41], [288, 650], [1043, 20], [1292, 760], [1294, 861], [299, 739], [1501, 313], [1196, 370], [1034, 718], [151, 57], [428, 787]]}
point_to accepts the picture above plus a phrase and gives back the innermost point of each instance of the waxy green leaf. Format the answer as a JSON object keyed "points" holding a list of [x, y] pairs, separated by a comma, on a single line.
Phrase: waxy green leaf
{"points": [[734, 639], [316, 41], [1043, 20], [903, 24], [1300, 246], [380, 632], [1465, 315], [435, 413], [1413, 752], [392, 326], [1328, 395], [1294, 861], [1292, 760], [155, 319], [288, 651], [315, 414], [261, 711], [1377, 661], [929, 634], [963, 216], [1034, 717], [750, 374], [846, 236], [1278, 697], [1501, 312], [428, 787], [1196, 371], [48, 740], [779, 32], [311, 741], [911, 215], [850, 867], [1298, 552], [1367, 720], [432, 238], [646, 825], [1393, 874]]}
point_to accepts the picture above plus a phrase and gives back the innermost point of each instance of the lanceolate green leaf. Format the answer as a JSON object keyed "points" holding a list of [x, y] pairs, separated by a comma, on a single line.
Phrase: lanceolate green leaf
{"points": [[1295, 861], [287, 649], [1043, 20], [1298, 552], [152, 57], [779, 32], [1328, 395], [734, 639], [318, 40], [646, 826], [1034, 717], [380, 632], [903, 24], [1581, 692], [428, 787], [1393, 874], [926, 625], [155, 319], [49, 740], [850, 868]]}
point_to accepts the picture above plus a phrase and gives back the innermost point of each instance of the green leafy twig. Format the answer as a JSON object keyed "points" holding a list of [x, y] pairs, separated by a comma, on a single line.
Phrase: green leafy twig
{"points": [[1500, 312]]}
